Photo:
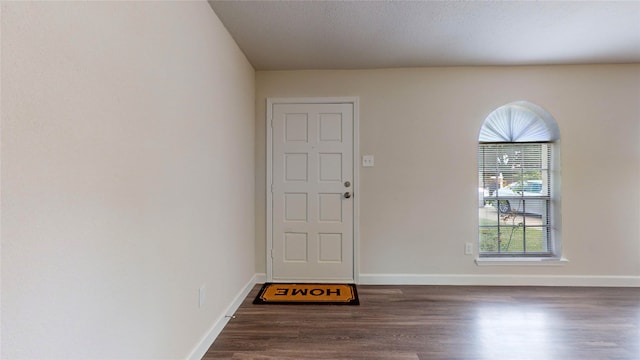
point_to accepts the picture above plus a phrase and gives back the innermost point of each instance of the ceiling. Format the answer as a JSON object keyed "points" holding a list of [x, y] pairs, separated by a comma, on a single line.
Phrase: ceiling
{"points": [[288, 35]]}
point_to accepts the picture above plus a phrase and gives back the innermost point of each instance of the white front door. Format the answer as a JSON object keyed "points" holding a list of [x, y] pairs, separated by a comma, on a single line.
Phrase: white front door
{"points": [[312, 189]]}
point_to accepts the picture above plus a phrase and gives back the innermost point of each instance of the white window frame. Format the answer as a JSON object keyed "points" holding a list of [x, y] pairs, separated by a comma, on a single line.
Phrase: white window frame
{"points": [[524, 122], [513, 218]]}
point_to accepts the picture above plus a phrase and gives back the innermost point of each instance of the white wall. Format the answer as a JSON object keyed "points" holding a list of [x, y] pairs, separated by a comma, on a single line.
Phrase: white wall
{"points": [[418, 205], [127, 178]]}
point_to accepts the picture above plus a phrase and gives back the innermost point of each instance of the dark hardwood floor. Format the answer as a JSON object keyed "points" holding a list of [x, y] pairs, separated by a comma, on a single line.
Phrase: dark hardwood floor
{"points": [[442, 322]]}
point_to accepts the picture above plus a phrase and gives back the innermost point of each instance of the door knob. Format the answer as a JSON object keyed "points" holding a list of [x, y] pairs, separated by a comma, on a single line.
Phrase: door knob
{"points": [[347, 195]]}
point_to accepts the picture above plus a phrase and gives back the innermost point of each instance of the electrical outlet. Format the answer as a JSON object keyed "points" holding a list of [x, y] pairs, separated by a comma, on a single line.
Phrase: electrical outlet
{"points": [[468, 248], [202, 295]]}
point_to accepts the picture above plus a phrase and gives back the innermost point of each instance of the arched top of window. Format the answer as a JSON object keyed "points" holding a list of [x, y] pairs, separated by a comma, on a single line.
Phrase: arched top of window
{"points": [[519, 121]]}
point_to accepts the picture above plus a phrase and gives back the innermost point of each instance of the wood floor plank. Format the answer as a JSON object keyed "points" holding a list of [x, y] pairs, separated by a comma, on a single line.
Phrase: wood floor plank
{"points": [[442, 322]]}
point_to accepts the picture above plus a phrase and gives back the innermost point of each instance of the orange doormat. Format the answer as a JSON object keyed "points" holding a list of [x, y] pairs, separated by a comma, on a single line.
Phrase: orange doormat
{"points": [[283, 293]]}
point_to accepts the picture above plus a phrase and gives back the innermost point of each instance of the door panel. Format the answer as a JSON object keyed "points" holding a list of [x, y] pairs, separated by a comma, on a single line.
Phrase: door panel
{"points": [[312, 159]]}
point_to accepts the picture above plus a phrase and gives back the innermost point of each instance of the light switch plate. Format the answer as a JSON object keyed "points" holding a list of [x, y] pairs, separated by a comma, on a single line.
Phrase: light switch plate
{"points": [[367, 161]]}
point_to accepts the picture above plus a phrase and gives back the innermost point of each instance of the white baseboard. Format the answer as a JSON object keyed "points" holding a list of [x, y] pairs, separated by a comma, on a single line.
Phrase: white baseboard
{"points": [[499, 280], [206, 342]]}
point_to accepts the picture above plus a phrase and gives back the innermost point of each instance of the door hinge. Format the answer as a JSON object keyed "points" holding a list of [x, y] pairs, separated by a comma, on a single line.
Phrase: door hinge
{"points": [[271, 187], [272, 253]]}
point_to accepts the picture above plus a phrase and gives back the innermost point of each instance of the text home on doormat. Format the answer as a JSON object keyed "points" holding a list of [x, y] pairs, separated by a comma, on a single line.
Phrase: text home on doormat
{"points": [[282, 293]]}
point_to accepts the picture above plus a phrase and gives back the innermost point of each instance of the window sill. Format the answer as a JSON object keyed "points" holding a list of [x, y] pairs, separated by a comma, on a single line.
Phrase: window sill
{"points": [[521, 261]]}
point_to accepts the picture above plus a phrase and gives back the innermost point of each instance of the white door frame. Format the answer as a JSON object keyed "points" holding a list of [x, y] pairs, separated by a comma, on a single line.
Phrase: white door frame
{"points": [[354, 101]]}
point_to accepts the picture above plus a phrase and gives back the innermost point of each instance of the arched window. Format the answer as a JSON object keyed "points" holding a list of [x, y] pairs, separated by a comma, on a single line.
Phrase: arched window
{"points": [[518, 171]]}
